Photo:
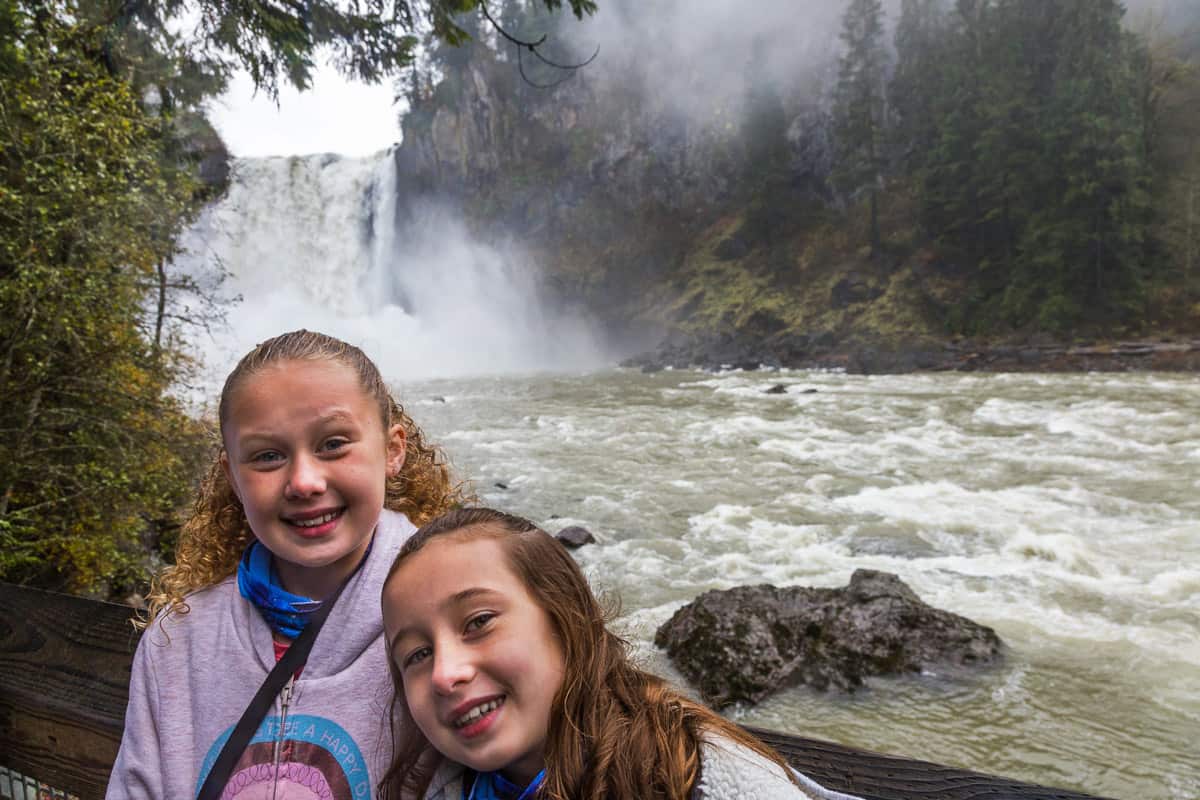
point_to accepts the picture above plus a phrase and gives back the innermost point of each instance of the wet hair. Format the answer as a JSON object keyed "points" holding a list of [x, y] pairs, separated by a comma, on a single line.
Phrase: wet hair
{"points": [[615, 731], [216, 532]]}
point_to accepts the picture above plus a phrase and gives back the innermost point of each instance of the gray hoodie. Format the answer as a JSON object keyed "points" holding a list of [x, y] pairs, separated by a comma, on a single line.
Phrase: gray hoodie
{"points": [[194, 674]]}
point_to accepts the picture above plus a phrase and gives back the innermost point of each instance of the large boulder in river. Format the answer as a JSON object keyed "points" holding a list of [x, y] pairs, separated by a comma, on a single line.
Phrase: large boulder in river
{"points": [[745, 643]]}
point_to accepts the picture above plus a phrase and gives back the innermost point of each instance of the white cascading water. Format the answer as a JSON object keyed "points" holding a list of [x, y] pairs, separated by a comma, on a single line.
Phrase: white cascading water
{"points": [[312, 242]]}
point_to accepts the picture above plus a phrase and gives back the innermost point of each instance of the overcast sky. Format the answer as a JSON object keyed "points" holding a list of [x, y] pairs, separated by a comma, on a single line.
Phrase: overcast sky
{"points": [[333, 116]]}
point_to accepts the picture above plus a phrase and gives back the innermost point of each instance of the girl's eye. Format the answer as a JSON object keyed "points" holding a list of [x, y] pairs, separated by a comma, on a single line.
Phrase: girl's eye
{"points": [[417, 656], [266, 457], [479, 621], [334, 444]]}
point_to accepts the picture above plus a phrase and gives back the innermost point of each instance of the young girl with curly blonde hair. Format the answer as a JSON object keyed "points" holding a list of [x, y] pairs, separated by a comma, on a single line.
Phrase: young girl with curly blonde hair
{"points": [[319, 479]]}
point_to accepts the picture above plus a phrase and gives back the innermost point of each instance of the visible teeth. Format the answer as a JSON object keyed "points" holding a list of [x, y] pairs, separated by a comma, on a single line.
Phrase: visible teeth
{"points": [[315, 521], [477, 712]]}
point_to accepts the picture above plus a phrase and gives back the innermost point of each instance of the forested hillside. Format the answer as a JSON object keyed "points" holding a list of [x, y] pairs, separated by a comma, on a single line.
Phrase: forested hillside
{"points": [[997, 168]]}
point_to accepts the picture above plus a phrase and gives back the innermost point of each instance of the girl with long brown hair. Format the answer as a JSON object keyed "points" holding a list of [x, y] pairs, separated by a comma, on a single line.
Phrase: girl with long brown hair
{"points": [[500, 655]]}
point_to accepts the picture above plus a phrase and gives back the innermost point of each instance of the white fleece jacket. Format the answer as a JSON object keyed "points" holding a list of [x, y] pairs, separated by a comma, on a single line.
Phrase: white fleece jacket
{"points": [[728, 771]]}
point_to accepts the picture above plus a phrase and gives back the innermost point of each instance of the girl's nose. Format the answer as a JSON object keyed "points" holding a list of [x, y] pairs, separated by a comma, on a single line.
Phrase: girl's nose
{"points": [[452, 667], [306, 478]]}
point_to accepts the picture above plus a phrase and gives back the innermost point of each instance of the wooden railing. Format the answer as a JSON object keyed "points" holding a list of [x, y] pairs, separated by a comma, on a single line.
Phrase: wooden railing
{"points": [[64, 678]]}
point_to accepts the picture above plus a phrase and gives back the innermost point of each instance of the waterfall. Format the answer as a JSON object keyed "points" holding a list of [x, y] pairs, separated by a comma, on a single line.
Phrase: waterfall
{"points": [[314, 242]]}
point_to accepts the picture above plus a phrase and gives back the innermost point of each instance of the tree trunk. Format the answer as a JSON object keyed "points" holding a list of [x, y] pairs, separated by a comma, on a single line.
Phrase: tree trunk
{"points": [[162, 308], [22, 443], [875, 179], [1189, 239], [875, 245], [10, 353]]}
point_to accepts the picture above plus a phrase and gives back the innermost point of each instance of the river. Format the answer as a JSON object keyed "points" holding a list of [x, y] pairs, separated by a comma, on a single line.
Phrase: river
{"points": [[1064, 511]]}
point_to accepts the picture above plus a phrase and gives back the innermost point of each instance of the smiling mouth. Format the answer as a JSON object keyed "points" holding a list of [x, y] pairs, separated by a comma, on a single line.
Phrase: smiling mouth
{"points": [[314, 522], [478, 711]]}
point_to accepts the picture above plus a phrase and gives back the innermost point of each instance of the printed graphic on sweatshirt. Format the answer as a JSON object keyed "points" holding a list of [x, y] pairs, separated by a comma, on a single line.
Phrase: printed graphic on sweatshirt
{"points": [[317, 760]]}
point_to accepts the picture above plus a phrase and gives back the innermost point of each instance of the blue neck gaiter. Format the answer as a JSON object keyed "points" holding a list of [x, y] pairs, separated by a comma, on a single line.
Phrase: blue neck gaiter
{"points": [[286, 613], [494, 786]]}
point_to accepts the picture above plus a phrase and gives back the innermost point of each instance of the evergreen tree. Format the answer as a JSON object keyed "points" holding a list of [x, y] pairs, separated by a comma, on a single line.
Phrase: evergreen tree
{"points": [[1015, 56], [948, 171], [1170, 91], [764, 122], [767, 153], [859, 108], [916, 85], [1084, 248], [278, 42], [1038, 166]]}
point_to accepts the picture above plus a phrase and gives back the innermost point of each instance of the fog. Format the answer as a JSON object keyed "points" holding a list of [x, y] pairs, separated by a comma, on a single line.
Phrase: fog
{"points": [[695, 56]]}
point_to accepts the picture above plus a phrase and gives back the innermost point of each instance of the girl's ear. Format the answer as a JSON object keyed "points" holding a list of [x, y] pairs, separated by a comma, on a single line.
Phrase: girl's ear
{"points": [[224, 459], [397, 441]]}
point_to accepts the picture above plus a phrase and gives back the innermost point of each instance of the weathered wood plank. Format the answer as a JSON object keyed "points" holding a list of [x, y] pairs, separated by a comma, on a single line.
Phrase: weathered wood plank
{"points": [[876, 776], [64, 682], [64, 753]]}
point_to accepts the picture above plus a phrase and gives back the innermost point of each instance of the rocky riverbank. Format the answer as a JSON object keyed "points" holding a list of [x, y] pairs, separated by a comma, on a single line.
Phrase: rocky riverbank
{"points": [[825, 351]]}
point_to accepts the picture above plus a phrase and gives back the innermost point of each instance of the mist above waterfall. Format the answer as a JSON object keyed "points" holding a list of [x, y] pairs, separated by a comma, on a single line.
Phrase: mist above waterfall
{"points": [[699, 58], [314, 242]]}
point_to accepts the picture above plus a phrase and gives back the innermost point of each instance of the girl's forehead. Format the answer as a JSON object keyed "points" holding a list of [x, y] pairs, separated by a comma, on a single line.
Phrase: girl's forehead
{"points": [[448, 563], [297, 392], [300, 369], [299, 379], [457, 546]]}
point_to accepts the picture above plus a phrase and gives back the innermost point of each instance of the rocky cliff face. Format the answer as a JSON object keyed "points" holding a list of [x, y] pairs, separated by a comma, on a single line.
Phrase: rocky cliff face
{"points": [[580, 139], [656, 220]]}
